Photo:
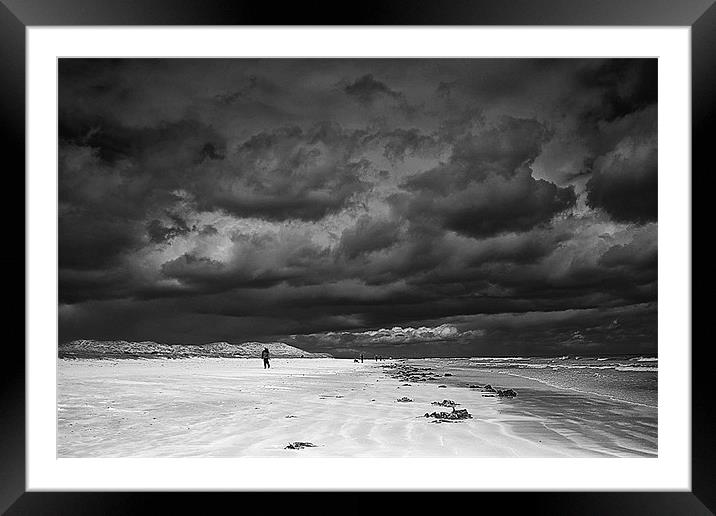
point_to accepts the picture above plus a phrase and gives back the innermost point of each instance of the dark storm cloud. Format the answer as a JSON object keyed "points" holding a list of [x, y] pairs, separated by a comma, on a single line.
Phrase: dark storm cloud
{"points": [[367, 236], [624, 183], [367, 89], [640, 254], [487, 187], [158, 232], [93, 243], [623, 85], [285, 173], [407, 206], [191, 268], [251, 87], [209, 151], [400, 143]]}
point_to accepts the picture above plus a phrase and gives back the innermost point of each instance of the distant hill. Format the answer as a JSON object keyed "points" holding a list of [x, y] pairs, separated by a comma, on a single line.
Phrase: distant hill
{"points": [[148, 349]]}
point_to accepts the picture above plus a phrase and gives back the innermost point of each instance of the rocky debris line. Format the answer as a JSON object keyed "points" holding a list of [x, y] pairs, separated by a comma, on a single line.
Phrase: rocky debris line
{"points": [[445, 403], [85, 348], [299, 445], [504, 393], [455, 415], [408, 373], [404, 399]]}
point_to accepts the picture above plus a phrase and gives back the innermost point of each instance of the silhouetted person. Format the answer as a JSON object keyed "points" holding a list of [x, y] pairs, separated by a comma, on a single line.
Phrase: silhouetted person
{"points": [[361, 358], [265, 356]]}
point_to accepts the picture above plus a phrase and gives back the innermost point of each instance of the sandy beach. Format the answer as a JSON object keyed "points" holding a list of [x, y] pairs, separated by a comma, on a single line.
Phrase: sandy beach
{"points": [[218, 407]]}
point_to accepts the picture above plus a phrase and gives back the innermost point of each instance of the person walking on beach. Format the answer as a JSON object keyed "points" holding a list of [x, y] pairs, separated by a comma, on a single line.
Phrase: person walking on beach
{"points": [[265, 356], [361, 358]]}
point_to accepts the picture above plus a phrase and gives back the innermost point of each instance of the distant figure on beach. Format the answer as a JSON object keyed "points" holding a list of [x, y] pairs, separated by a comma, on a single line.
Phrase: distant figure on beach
{"points": [[376, 357], [265, 356], [361, 358]]}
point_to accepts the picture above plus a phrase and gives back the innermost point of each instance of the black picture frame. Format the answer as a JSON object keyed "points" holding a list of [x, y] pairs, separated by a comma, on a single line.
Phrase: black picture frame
{"points": [[17, 15]]}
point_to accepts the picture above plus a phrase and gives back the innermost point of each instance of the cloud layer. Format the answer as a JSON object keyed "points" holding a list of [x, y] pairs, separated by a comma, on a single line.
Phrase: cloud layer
{"points": [[419, 206]]}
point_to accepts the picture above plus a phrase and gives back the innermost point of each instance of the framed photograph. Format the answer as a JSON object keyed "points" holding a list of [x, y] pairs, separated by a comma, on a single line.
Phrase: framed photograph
{"points": [[441, 247]]}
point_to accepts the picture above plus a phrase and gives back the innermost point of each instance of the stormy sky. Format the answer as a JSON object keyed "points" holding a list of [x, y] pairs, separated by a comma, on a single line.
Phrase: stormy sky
{"points": [[399, 206]]}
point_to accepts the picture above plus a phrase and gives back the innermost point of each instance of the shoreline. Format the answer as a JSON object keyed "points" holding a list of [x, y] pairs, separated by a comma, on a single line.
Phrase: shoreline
{"points": [[225, 407], [553, 405], [498, 382]]}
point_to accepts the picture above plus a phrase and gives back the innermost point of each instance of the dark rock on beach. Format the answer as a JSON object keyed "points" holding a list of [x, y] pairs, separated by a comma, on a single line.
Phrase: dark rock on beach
{"points": [[488, 388], [408, 373], [450, 416], [404, 399], [299, 445], [445, 403], [507, 393]]}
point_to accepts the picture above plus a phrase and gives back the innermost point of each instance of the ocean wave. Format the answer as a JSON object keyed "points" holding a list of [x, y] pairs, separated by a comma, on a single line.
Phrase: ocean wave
{"points": [[524, 366], [567, 366], [583, 391], [613, 367], [510, 365], [472, 359]]}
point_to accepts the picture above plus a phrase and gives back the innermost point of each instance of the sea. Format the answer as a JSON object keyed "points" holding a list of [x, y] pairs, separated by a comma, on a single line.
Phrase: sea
{"points": [[631, 379]]}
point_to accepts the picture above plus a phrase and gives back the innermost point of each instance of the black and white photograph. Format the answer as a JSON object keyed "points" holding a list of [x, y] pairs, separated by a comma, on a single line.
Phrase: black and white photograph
{"points": [[357, 257]]}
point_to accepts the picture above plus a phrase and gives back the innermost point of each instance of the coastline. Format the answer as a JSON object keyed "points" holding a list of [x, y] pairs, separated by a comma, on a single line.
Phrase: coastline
{"points": [[219, 407], [606, 424]]}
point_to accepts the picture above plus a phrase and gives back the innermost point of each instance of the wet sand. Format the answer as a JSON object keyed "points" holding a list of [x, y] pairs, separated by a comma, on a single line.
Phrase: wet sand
{"points": [[562, 417]]}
